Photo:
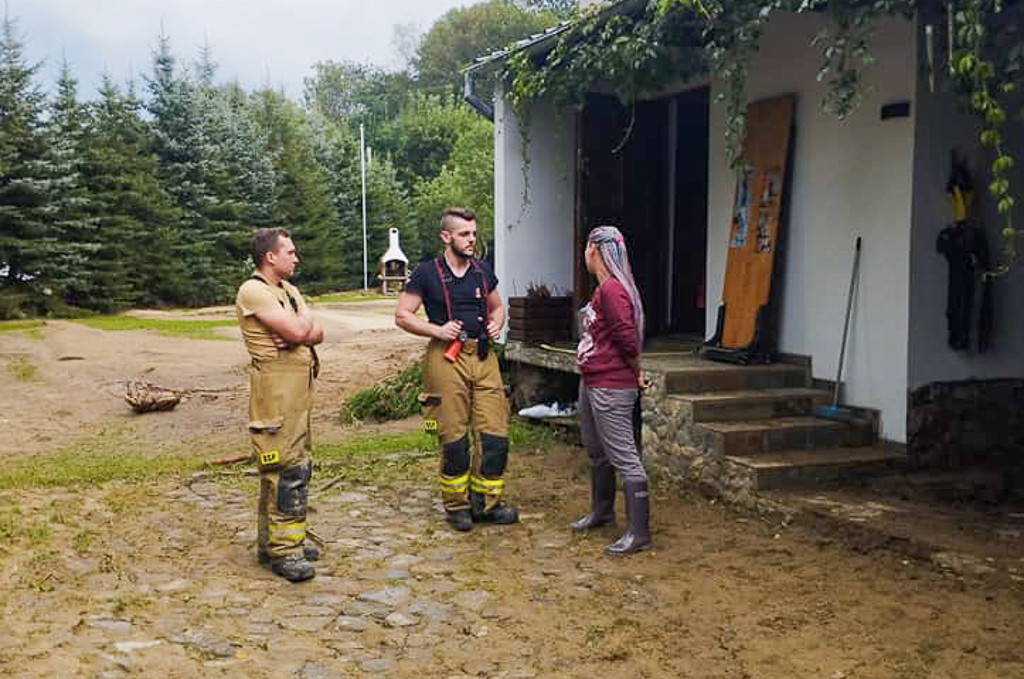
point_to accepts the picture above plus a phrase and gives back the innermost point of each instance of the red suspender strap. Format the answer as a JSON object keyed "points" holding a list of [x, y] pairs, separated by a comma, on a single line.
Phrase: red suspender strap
{"points": [[483, 278], [444, 288], [448, 295]]}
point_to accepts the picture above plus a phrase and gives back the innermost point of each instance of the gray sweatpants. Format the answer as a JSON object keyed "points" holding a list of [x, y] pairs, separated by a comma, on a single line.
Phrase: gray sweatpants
{"points": [[606, 427]]}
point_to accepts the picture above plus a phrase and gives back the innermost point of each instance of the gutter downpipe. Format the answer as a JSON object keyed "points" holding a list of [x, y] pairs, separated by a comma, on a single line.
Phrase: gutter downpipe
{"points": [[472, 98]]}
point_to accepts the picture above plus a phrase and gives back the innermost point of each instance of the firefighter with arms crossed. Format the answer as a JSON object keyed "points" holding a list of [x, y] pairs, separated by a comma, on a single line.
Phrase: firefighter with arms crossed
{"points": [[280, 332], [463, 395]]}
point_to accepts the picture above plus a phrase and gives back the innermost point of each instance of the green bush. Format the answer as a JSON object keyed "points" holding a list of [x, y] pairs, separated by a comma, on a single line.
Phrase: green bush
{"points": [[393, 398]]}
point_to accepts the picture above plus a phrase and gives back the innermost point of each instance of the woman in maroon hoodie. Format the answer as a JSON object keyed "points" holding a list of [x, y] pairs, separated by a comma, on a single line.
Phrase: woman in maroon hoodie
{"points": [[608, 356]]}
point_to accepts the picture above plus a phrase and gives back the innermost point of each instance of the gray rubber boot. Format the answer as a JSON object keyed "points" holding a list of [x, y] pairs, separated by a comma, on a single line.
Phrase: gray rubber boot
{"points": [[602, 498], [638, 515]]}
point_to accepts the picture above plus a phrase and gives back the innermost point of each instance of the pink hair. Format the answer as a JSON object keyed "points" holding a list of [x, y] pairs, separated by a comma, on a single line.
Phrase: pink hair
{"points": [[612, 246]]}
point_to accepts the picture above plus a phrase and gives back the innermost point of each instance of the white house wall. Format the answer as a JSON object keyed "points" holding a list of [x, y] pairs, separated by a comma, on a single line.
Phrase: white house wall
{"points": [[941, 126], [534, 244], [850, 178]]}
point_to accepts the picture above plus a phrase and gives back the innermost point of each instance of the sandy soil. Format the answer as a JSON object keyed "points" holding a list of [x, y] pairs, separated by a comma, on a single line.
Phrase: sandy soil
{"points": [[159, 579]]}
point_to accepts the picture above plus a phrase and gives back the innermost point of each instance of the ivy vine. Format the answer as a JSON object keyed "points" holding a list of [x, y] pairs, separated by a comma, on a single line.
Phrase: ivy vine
{"points": [[987, 67], [644, 50]]}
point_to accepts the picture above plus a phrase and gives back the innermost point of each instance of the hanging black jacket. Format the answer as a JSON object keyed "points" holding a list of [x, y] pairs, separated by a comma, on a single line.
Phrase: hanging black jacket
{"points": [[966, 250]]}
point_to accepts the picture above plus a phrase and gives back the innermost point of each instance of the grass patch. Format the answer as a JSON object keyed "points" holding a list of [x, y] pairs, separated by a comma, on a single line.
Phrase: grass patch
{"points": [[14, 526], [381, 459], [531, 437], [130, 603], [382, 444], [82, 542], [192, 329], [348, 296], [393, 398], [104, 456], [14, 326], [524, 437], [24, 370], [386, 458]]}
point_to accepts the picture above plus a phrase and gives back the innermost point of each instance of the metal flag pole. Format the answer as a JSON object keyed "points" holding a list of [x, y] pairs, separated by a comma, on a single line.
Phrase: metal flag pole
{"points": [[362, 166]]}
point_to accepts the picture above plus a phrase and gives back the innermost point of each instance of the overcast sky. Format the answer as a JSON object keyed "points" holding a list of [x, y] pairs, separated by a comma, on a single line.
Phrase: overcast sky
{"points": [[254, 40]]}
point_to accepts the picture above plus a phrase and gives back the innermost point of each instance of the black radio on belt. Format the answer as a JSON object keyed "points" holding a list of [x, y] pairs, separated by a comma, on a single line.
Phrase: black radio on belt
{"points": [[482, 341]]}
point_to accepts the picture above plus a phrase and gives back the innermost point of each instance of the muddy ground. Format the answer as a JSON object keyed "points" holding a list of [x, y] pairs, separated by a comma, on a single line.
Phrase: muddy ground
{"points": [[158, 578]]}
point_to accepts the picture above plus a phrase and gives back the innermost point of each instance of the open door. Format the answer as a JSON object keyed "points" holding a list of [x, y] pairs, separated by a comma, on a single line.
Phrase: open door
{"points": [[643, 169]]}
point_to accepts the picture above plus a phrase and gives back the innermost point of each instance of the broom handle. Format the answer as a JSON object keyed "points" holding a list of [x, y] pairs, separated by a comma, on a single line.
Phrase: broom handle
{"points": [[846, 323]]}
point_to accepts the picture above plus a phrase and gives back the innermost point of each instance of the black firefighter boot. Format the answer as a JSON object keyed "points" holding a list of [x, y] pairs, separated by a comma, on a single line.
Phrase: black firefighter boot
{"points": [[602, 497], [638, 514], [500, 513], [309, 551], [292, 568]]}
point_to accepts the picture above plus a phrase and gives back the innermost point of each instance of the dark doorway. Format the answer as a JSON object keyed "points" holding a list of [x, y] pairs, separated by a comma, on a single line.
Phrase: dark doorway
{"points": [[644, 170]]}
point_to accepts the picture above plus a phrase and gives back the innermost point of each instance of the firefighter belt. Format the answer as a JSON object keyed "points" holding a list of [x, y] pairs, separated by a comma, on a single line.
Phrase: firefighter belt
{"points": [[464, 404], [280, 404]]}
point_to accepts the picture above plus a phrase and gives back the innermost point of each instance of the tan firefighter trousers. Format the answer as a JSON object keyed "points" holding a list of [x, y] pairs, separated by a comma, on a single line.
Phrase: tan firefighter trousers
{"points": [[464, 404], [280, 404]]}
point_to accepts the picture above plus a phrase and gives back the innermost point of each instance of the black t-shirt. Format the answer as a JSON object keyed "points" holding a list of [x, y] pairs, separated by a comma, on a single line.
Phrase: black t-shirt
{"points": [[469, 299]]}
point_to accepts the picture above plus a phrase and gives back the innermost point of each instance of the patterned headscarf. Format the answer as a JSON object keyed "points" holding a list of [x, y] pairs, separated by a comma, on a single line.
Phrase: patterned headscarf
{"points": [[612, 246]]}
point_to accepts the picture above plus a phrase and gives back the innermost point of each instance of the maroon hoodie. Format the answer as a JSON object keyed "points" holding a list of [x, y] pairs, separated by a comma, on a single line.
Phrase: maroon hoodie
{"points": [[609, 340]]}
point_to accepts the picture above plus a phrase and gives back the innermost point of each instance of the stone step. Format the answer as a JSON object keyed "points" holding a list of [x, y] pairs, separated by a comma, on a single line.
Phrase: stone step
{"points": [[812, 468], [754, 437], [751, 404], [707, 376]]}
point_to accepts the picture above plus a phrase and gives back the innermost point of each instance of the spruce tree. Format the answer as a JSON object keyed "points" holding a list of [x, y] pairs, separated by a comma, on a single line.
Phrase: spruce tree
{"points": [[25, 236], [180, 142], [337, 150], [136, 220], [223, 211], [302, 200], [71, 239]]}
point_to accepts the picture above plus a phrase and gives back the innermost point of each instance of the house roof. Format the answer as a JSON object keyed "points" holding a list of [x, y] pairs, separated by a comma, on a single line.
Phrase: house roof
{"points": [[538, 42]]}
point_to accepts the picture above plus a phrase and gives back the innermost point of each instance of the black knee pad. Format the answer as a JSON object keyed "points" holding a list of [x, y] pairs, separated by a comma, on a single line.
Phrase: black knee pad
{"points": [[293, 489], [455, 457], [493, 455]]}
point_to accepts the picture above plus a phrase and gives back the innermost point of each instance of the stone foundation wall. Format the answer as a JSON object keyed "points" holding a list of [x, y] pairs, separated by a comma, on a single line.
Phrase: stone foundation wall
{"points": [[958, 424], [673, 453]]}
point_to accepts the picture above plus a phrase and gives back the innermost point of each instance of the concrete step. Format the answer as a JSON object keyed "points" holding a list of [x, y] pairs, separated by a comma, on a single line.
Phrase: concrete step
{"points": [[707, 376], [751, 404], [813, 468], [754, 437]]}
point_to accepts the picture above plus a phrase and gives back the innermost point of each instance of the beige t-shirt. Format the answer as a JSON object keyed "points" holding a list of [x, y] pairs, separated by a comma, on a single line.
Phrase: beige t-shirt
{"points": [[255, 296]]}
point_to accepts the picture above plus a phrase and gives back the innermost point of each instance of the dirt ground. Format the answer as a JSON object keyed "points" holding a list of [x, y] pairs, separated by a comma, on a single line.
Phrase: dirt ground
{"points": [[159, 578], [80, 373]]}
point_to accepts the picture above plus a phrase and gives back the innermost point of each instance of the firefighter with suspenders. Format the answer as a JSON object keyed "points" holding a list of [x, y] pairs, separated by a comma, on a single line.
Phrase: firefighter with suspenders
{"points": [[280, 333], [463, 395]]}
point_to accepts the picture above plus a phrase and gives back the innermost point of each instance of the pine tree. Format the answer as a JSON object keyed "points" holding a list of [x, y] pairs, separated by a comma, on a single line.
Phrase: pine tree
{"points": [[72, 234], [24, 224], [184, 150], [225, 206], [249, 158], [135, 218], [302, 201], [337, 150]]}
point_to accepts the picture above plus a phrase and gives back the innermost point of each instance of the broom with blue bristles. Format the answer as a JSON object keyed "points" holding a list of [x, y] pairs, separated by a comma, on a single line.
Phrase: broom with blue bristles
{"points": [[835, 411]]}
